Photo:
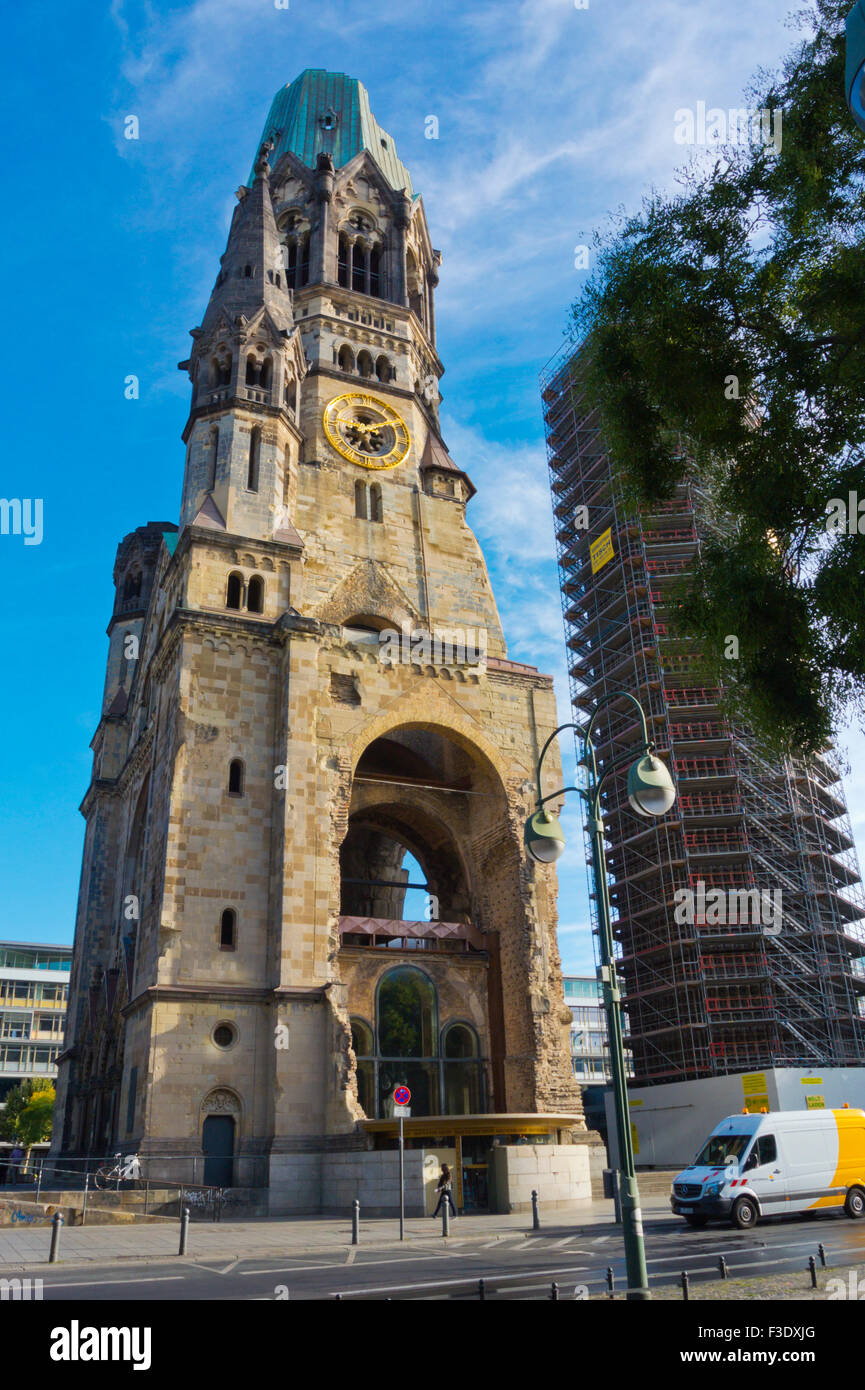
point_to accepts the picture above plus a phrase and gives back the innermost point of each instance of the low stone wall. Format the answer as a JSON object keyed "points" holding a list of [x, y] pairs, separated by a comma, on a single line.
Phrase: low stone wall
{"points": [[329, 1183], [559, 1173]]}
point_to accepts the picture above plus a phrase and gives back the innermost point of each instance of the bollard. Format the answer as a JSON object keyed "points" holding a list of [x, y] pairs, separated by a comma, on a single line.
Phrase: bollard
{"points": [[722, 1266], [56, 1223], [482, 1293], [355, 1222], [554, 1293], [184, 1231], [536, 1220], [685, 1293], [812, 1265], [821, 1251], [39, 1179], [611, 1283], [446, 1217], [84, 1202]]}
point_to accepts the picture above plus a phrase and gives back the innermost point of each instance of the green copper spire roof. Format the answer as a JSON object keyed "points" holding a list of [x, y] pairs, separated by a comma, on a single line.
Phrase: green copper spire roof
{"points": [[328, 112]]}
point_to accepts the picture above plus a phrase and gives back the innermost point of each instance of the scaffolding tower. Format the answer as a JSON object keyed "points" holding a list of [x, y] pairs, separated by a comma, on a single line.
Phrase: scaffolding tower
{"points": [[711, 994]]}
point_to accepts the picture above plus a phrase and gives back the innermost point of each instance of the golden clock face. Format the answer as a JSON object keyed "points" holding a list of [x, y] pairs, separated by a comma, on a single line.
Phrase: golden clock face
{"points": [[366, 431]]}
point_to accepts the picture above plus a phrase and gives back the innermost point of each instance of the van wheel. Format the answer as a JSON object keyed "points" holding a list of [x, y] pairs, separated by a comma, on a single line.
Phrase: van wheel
{"points": [[745, 1214], [697, 1221], [855, 1203]]}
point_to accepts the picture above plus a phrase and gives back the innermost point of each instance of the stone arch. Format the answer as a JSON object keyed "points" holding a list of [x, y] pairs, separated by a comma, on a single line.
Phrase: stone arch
{"points": [[221, 1100]]}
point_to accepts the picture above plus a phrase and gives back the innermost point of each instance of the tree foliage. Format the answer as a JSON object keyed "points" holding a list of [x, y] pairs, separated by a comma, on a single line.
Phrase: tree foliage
{"points": [[725, 341], [34, 1124], [17, 1100]]}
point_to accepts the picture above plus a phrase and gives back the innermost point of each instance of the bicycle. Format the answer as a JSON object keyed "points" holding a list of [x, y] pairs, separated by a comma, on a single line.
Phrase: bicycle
{"points": [[122, 1170]]}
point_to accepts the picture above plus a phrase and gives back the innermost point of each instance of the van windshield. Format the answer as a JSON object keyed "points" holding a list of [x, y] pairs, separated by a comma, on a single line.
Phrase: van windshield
{"points": [[721, 1148]]}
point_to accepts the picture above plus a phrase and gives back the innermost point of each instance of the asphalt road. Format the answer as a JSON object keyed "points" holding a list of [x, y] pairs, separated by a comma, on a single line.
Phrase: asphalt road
{"points": [[513, 1268]]}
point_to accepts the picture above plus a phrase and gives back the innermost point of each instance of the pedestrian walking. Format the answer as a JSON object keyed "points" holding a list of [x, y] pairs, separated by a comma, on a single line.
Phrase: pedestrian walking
{"points": [[443, 1188], [16, 1158]]}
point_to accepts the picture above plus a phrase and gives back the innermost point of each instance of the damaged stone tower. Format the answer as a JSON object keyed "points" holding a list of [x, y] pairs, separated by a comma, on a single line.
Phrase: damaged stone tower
{"points": [[307, 685]]}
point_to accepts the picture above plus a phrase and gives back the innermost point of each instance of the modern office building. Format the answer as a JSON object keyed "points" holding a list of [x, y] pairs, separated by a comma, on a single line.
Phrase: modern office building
{"points": [[738, 916], [34, 985], [307, 691], [588, 1034]]}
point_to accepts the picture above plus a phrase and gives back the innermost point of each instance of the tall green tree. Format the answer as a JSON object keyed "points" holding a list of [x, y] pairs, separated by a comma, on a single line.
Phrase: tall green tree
{"points": [[16, 1102], [34, 1123], [724, 328]]}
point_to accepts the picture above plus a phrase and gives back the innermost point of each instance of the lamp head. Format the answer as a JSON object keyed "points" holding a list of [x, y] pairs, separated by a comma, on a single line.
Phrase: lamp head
{"points": [[650, 786], [545, 839], [854, 76]]}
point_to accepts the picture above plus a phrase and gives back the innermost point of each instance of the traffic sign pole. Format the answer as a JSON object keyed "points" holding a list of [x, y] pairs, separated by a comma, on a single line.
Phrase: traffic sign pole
{"points": [[401, 1181], [401, 1098]]}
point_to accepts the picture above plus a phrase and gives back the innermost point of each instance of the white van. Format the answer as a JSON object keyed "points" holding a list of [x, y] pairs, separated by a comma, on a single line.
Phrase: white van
{"points": [[765, 1165]]}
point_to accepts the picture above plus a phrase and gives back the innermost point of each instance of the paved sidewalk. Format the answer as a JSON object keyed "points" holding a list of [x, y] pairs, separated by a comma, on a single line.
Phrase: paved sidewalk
{"points": [[298, 1235]]}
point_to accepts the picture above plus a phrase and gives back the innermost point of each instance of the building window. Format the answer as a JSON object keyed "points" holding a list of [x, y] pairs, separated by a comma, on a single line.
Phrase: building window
{"points": [[254, 456], [342, 262], [291, 393], [375, 502], [228, 930], [345, 359], [235, 777], [406, 1010], [364, 1051], [255, 595], [383, 369], [234, 594], [132, 586], [297, 269], [462, 1072], [360, 502], [365, 364], [225, 1035]]}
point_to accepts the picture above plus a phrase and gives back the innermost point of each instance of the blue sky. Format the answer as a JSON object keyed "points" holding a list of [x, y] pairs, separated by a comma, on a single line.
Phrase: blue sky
{"points": [[550, 117]]}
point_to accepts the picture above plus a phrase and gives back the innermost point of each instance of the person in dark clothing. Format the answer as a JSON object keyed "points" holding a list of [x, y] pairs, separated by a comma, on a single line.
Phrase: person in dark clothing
{"points": [[16, 1158], [443, 1188]]}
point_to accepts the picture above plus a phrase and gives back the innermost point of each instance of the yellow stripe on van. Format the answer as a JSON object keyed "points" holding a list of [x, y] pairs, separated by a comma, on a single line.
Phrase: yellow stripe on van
{"points": [[850, 1163]]}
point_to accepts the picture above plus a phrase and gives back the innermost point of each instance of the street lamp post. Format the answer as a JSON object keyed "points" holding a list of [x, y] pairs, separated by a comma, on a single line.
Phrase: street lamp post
{"points": [[650, 793]]}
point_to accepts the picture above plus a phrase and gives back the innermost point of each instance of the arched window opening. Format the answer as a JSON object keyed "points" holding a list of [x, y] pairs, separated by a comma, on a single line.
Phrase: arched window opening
{"points": [[375, 502], [406, 1009], [291, 393], [360, 505], [132, 585], [264, 374], [297, 263], [364, 363], [255, 595], [220, 370], [374, 271], [383, 369], [462, 1071], [342, 262], [251, 371], [254, 456], [364, 1051], [235, 777], [345, 359], [358, 267], [247, 271], [228, 930], [406, 1014], [415, 287], [212, 455], [234, 594]]}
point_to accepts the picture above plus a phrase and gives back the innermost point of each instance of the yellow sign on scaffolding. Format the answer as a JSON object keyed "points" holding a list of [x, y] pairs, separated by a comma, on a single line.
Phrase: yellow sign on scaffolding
{"points": [[601, 550]]}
